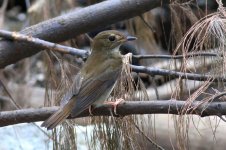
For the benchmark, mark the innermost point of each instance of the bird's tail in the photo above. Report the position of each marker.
(58, 117)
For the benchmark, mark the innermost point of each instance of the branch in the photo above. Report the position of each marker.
(175, 74)
(209, 54)
(76, 22)
(43, 44)
(83, 53)
(143, 69)
(123, 109)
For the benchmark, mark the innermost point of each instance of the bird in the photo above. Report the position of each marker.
(95, 80)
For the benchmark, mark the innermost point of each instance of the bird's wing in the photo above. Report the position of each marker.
(67, 105)
(73, 90)
(92, 89)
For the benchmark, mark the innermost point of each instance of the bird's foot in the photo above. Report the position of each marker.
(90, 110)
(114, 104)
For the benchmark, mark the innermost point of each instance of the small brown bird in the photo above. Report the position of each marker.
(95, 81)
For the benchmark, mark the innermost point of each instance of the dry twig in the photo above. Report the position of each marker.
(173, 74)
(43, 44)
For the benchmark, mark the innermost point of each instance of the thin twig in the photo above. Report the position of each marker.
(17, 106)
(219, 96)
(148, 138)
(175, 74)
(148, 25)
(209, 54)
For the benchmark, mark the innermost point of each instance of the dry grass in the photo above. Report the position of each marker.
(189, 33)
(206, 33)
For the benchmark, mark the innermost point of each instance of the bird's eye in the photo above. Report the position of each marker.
(111, 38)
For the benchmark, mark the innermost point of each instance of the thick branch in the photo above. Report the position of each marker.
(123, 109)
(74, 23)
(163, 72)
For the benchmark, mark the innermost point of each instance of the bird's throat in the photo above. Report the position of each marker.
(99, 62)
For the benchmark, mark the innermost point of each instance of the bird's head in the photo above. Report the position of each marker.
(110, 40)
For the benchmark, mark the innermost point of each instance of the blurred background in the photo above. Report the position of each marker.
(37, 81)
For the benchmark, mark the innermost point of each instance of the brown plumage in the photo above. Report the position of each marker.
(95, 81)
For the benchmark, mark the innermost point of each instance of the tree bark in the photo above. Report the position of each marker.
(123, 109)
(72, 24)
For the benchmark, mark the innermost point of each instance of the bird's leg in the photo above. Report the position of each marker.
(90, 110)
(114, 104)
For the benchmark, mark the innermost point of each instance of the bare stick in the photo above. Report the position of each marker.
(209, 54)
(175, 74)
(123, 109)
(43, 44)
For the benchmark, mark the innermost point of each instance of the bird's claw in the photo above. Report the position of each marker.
(90, 110)
(114, 104)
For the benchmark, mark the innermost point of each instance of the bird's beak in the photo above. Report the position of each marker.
(131, 38)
